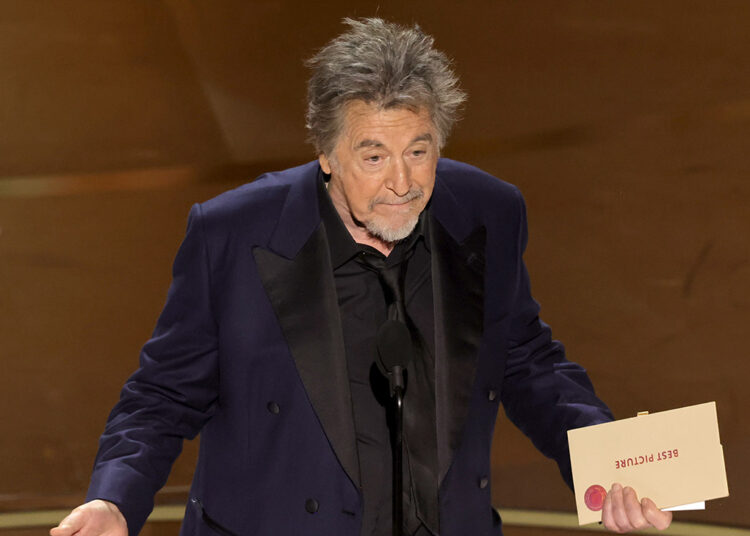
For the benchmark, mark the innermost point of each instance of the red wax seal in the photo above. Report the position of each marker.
(594, 497)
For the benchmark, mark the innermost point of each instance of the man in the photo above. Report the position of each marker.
(267, 344)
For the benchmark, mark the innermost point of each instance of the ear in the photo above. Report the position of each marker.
(325, 164)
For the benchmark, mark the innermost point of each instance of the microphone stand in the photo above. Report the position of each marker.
(397, 394)
(395, 352)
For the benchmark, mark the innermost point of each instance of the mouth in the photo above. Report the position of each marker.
(401, 202)
(398, 207)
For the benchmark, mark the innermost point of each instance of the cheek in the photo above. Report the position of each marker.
(360, 199)
(425, 178)
(364, 191)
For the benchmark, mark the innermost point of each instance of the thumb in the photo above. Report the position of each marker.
(657, 518)
(69, 525)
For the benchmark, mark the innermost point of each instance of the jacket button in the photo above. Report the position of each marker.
(483, 482)
(273, 407)
(311, 505)
(491, 395)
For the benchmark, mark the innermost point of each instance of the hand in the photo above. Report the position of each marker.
(622, 512)
(95, 518)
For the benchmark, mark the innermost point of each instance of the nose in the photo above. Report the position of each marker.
(399, 180)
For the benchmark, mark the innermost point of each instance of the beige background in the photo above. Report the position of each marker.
(625, 123)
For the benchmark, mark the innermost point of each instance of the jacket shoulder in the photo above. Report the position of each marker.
(479, 193)
(253, 209)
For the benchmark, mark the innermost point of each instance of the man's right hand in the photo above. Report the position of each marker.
(95, 518)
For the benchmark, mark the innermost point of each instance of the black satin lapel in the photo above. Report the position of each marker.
(458, 291)
(303, 295)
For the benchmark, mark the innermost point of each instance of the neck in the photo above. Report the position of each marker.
(381, 245)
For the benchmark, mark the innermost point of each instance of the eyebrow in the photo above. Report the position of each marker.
(375, 143)
(424, 137)
(367, 143)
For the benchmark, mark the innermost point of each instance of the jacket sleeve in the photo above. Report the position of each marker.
(543, 393)
(172, 394)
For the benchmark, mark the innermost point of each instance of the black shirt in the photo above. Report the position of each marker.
(363, 309)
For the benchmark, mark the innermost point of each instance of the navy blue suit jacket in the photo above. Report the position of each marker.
(248, 351)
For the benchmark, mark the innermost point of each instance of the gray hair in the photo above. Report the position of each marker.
(384, 64)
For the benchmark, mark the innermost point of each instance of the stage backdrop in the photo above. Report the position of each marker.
(625, 124)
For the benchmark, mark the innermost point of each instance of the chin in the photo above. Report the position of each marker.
(389, 233)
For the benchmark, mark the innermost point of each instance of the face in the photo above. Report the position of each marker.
(382, 170)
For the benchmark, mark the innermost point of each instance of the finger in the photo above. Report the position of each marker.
(633, 509)
(618, 519)
(69, 525)
(607, 518)
(657, 518)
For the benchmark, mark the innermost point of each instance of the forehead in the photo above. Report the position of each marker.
(368, 124)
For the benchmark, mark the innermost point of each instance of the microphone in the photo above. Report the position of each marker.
(394, 352)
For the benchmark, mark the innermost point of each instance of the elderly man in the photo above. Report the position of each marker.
(267, 342)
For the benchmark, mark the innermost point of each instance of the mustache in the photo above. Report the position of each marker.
(412, 194)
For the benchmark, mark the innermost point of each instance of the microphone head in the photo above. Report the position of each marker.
(394, 346)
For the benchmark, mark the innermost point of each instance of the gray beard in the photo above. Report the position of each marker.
(391, 235)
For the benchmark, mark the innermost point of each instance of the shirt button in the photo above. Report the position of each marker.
(491, 395)
(273, 407)
(483, 482)
(311, 505)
